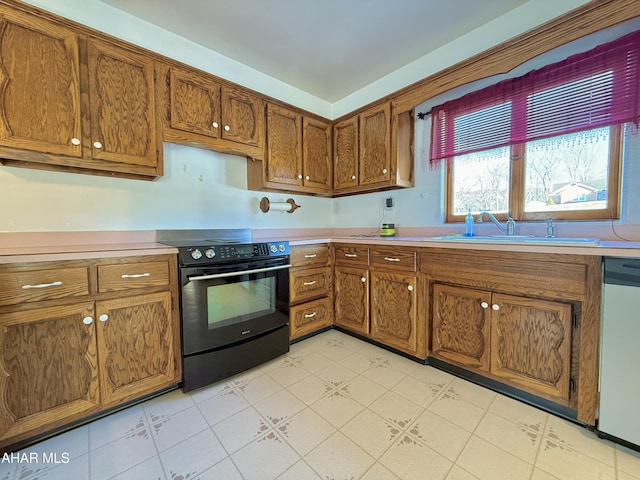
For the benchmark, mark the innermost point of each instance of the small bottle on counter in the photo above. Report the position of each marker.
(468, 225)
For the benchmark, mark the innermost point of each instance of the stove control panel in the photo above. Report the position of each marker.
(210, 254)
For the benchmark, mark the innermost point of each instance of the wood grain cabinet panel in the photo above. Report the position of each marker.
(531, 344)
(243, 118)
(310, 283)
(36, 283)
(316, 155)
(284, 146)
(125, 276)
(461, 326)
(136, 345)
(311, 316)
(39, 84)
(352, 298)
(394, 310)
(345, 153)
(375, 145)
(48, 368)
(194, 103)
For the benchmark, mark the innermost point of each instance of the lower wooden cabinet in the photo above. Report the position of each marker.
(352, 298)
(310, 290)
(68, 353)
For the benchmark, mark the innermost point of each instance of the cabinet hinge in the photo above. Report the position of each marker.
(169, 113)
(168, 79)
(572, 385)
(575, 319)
(157, 155)
(155, 76)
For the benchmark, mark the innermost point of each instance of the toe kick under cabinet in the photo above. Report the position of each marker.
(78, 337)
(527, 320)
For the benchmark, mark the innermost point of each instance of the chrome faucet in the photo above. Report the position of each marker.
(511, 223)
(549, 221)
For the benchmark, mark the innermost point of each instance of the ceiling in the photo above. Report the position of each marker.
(327, 48)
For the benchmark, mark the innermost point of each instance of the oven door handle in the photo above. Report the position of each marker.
(236, 274)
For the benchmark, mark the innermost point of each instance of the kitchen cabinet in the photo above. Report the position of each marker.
(522, 319)
(373, 150)
(49, 71)
(298, 154)
(78, 337)
(198, 109)
(376, 296)
(310, 290)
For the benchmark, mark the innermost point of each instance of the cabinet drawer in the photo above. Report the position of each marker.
(17, 286)
(310, 317)
(308, 284)
(123, 276)
(404, 260)
(308, 255)
(351, 255)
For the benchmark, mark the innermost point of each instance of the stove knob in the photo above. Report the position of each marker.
(196, 254)
(273, 249)
(209, 253)
(281, 247)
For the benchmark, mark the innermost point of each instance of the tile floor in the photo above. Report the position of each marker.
(333, 408)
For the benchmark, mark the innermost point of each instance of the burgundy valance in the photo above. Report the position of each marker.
(597, 88)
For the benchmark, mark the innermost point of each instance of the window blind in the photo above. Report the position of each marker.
(593, 89)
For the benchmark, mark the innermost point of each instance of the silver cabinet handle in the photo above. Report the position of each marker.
(309, 315)
(135, 275)
(391, 259)
(484, 304)
(42, 285)
(311, 255)
(87, 320)
(312, 282)
(495, 306)
(351, 255)
(104, 317)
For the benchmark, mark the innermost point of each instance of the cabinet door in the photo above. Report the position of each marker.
(48, 368)
(284, 146)
(242, 117)
(309, 317)
(352, 299)
(461, 326)
(40, 84)
(316, 141)
(393, 311)
(375, 145)
(136, 345)
(531, 344)
(123, 118)
(345, 154)
(194, 104)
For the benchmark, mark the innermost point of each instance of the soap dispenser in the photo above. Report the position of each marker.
(468, 225)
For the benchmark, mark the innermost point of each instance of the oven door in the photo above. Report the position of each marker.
(230, 304)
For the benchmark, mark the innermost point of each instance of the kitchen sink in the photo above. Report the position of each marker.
(517, 239)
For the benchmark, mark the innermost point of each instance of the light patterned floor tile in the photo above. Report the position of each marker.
(561, 461)
(458, 411)
(577, 438)
(458, 473)
(314, 361)
(224, 470)
(118, 456)
(470, 392)
(518, 412)
(628, 461)
(77, 467)
(300, 471)
(384, 374)
(167, 404)
(168, 430)
(310, 389)
(8, 470)
(441, 435)
(379, 472)
(488, 462)
(225, 403)
(418, 391)
(412, 460)
(193, 456)
(357, 362)
(305, 431)
(514, 437)
(240, 429)
(396, 409)
(116, 426)
(336, 374)
(338, 457)
(431, 375)
(371, 432)
(267, 457)
(337, 407)
(149, 470)
(279, 407)
(542, 475)
(363, 390)
(256, 388)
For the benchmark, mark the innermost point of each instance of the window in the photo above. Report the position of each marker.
(546, 143)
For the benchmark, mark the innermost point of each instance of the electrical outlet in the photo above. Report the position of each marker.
(389, 203)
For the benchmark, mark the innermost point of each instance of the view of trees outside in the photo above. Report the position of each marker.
(563, 173)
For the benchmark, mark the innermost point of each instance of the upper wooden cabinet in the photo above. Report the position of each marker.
(373, 151)
(298, 154)
(198, 110)
(47, 72)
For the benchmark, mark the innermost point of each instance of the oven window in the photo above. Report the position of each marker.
(239, 301)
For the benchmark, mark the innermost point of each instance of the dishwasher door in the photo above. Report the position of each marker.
(619, 413)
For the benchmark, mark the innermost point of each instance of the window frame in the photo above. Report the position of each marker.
(517, 188)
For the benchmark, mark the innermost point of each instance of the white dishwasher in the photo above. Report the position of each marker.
(619, 412)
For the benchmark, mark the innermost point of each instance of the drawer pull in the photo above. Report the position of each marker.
(42, 285)
(312, 282)
(309, 315)
(311, 255)
(391, 259)
(351, 255)
(135, 275)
